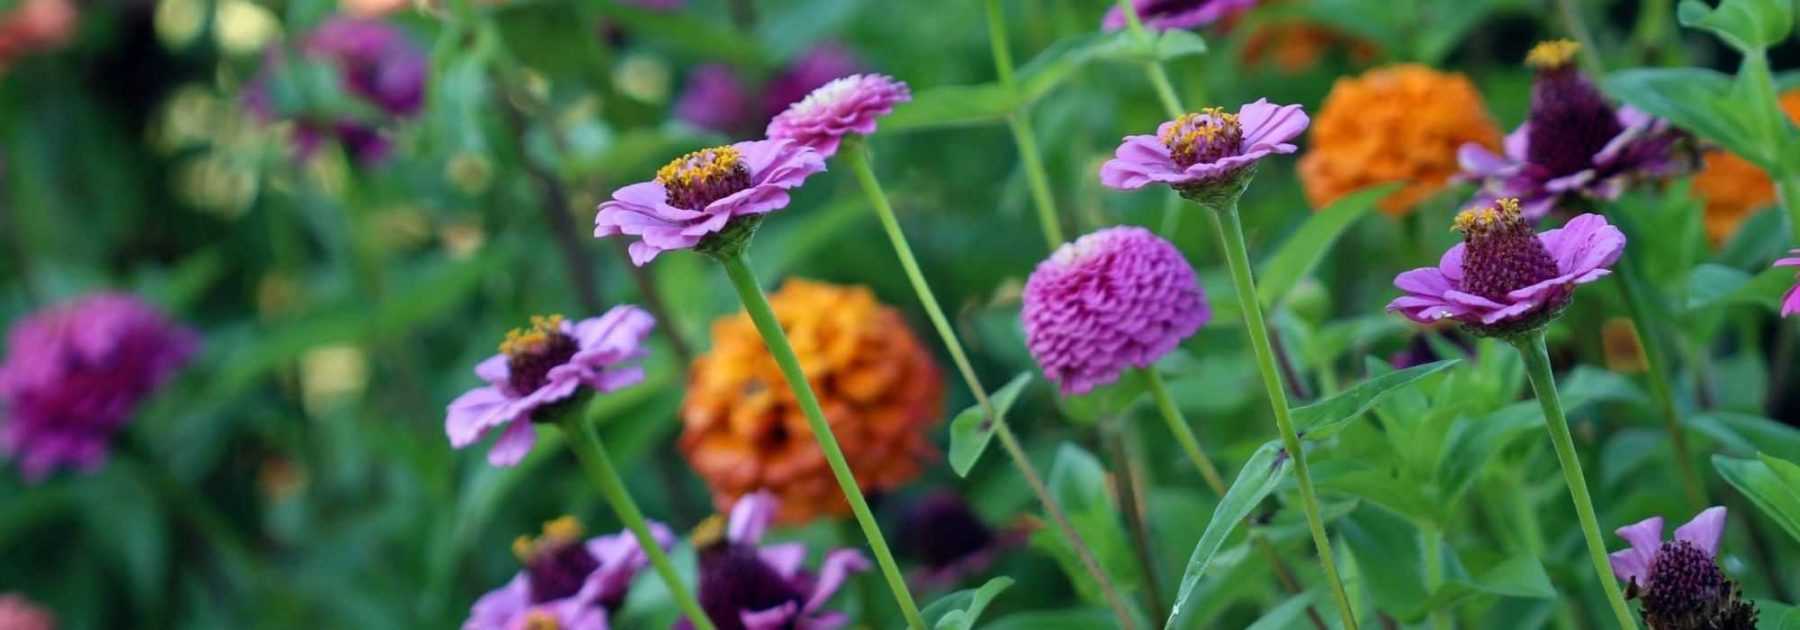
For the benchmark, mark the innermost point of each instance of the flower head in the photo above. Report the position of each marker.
(706, 199)
(1732, 187)
(1118, 298)
(1395, 124)
(746, 587)
(75, 373)
(1504, 279)
(18, 613)
(743, 431)
(1164, 15)
(379, 66)
(950, 541)
(813, 69)
(842, 107)
(1679, 580)
(567, 583)
(714, 98)
(1574, 143)
(33, 26)
(1205, 152)
(1790, 303)
(541, 366)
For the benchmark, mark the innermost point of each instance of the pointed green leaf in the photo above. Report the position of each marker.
(1325, 418)
(970, 432)
(952, 106)
(960, 610)
(1747, 25)
(1768, 489)
(1258, 478)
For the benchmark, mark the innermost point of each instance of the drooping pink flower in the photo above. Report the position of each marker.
(1165, 15)
(1679, 581)
(746, 587)
(813, 69)
(541, 366)
(1503, 278)
(1118, 298)
(567, 583)
(696, 197)
(74, 373)
(1199, 152)
(714, 98)
(1790, 304)
(842, 107)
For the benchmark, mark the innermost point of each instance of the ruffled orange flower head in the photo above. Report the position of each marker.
(1732, 187)
(742, 430)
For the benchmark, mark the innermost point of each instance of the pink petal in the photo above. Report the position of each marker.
(777, 618)
(513, 445)
(1644, 536)
(1268, 124)
(836, 569)
(786, 559)
(1630, 565)
(751, 517)
(472, 414)
(1704, 530)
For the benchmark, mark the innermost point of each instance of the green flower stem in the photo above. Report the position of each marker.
(586, 443)
(1632, 286)
(1171, 103)
(1183, 433)
(1231, 235)
(855, 153)
(1788, 187)
(1431, 538)
(737, 267)
(1128, 486)
(1543, 382)
(1020, 123)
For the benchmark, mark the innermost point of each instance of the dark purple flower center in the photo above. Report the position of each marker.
(943, 530)
(1687, 591)
(532, 352)
(557, 564)
(1208, 136)
(1570, 120)
(697, 179)
(1501, 253)
(734, 580)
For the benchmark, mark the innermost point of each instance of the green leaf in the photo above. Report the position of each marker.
(1177, 43)
(952, 106)
(1309, 244)
(1697, 100)
(959, 610)
(1773, 615)
(1287, 614)
(690, 31)
(970, 433)
(1325, 418)
(1079, 483)
(1076, 619)
(1106, 400)
(1776, 493)
(1747, 434)
(1711, 284)
(1258, 478)
(1747, 25)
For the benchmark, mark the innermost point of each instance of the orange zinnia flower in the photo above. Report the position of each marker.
(743, 431)
(1399, 123)
(1295, 47)
(1732, 187)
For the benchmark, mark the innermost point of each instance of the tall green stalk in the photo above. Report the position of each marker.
(1184, 434)
(1656, 363)
(1788, 187)
(1171, 103)
(737, 267)
(1543, 383)
(1019, 121)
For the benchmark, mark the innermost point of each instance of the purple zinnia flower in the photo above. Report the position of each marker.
(1574, 142)
(695, 198)
(542, 366)
(951, 541)
(1164, 15)
(1118, 298)
(1503, 278)
(842, 107)
(714, 98)
(75, 372)
(1790, 304)
(816, 67)
(379, 65)
(567, 583)
(743, 587)
(1197, 152)
(1679, 580)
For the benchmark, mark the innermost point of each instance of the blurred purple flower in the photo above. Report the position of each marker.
(844, 106)
(1163, 15)
(816, 67)
(951, 541)
(1198, 152)
(18, 613)
(1118, 298)
(743, 587)
(379, 65)
(74, 374)
(1790, 304)
(542, 366)
(1679, 580)
(714, 98)
(567, 583)
(698, 196)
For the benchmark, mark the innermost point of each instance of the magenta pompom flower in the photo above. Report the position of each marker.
(567, 583)
(1207, 152)
(695, 199)
(74, 373)
(1504, 279)
(1118, 298)
(541, 366)
(714, 98)
(743, 587)
(1790, 304)
(1164, 15)
(1679, 581)
(842, 107)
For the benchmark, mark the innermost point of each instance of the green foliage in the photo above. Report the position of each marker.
(970, 431)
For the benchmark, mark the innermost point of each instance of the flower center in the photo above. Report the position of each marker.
(541, 620)
(697, 179)
(1570, 120)
(1501, 254)
(556, 562)
(734, 579)
(532, 352)
(1204, 137)
(1685, 584)
(943, 530)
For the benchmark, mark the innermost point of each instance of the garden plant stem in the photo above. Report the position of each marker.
(586, 443)
(1788, 187)
(1183, 433)
(737, 267)
(1128, 486)
(1020, 123)
(1537, 365)
(1632, 286)
(1231, 235)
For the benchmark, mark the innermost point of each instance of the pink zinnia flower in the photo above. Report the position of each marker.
(1164, 15)
(1679, 581)
(543, 365)
(1503, 278)
(567, 583)
(1197, 153)
(74, 374)
(714, 98)
(1790, 304)
(695, 198)
(18, 613)
(842, 107)
(1118, 298)
(743, 587)
(379, 65)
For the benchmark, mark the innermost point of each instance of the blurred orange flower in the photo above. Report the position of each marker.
(1732, 187)
(1295, 47)
(743, 431)
(1398, 123)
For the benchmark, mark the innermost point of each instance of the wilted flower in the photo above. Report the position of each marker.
(1790, 303)
(1732, 187)
(814, 68)
(743, 431)
(743, 587)
(543, 366)
(567, 583)
(1503, 279)
(1162, 15)
(35, 26)
(1115, 299)
(950, 541)
(1574, 143)
(708, 198)
(714, 98)
(1208, 153)
(378, 64)
(842, 107)
(1395, 124)
(1679, 580)
(74, 373)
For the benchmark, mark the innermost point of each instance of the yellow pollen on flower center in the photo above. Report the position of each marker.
(558, 532)
(541, 620)
(522, 341)
(705, 165)
(1486, 219)
(1192, 130)
(1552, 54)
